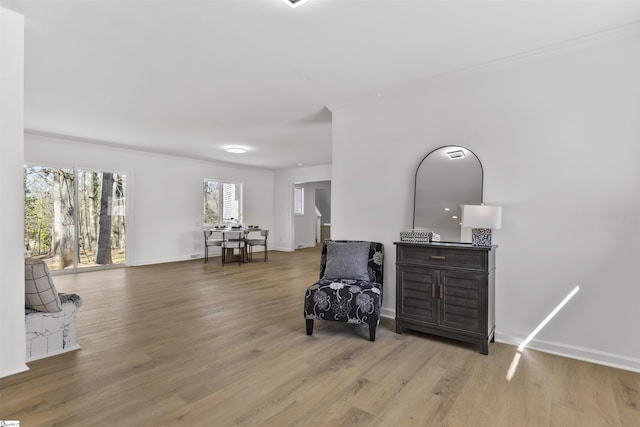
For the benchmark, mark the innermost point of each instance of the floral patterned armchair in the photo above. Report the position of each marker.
(350, 285)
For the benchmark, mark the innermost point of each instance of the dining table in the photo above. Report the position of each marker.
(230, 255)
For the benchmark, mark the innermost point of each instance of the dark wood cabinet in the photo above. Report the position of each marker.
(446, 289)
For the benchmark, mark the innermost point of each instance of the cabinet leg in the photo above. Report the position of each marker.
(399, 329)
(484, 347)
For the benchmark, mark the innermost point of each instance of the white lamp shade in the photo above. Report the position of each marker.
(481, 216)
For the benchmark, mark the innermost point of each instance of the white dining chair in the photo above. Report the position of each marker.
(211, 240)
(233, 240)
(264, 233)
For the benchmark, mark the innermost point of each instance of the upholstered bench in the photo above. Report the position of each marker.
(50, 318)
(49, 334)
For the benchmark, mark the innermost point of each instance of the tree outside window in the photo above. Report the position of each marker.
(222, 202)
(74, 218)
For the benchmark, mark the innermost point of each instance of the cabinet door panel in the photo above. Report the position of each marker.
(415, 297)
(461, 305)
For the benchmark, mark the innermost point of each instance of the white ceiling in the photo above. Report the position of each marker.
(189, 77)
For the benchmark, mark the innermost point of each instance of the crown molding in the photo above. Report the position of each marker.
(157, 152)
(533, 55)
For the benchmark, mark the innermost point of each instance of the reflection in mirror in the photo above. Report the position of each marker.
(446, 179)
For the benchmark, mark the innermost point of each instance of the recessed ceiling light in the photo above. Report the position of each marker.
(457, 154)
(236, 150)
(294, 3)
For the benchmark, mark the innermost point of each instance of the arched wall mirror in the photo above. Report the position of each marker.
(447, 178)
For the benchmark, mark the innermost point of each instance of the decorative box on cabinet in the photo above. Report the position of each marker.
(446, 289)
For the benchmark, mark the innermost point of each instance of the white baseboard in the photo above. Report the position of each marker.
(4, 374)
(305, 245)
(281, 249)
(387, 312)
(161, 260)
(212, 254)
(574, 352)
(55, 353)
(559, 349)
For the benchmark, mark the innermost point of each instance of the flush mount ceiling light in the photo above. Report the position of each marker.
(294, 3)
(457, 154)
(236, 150)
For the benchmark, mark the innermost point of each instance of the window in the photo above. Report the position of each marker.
(298, 201)
(222, 202)
(74, 218)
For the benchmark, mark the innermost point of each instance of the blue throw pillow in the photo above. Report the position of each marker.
(347, 260)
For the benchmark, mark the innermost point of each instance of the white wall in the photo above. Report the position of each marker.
(12, 338)
(164, 194)
(323, 202)
(558, 134)
(284, 181)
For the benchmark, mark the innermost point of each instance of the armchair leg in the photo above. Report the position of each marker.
(309, 326)
(372, 332)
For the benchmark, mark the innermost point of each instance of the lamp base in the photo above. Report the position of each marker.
(481, 236)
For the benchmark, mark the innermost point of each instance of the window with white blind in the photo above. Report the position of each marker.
(222, 202)
(298, 201)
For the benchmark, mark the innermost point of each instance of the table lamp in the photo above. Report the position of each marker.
(482, 220)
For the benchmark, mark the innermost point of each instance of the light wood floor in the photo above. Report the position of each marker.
(189, 344)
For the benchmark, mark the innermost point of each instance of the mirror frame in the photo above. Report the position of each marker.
(415, 179)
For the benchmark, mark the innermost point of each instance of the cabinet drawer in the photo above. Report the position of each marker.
(442, 257)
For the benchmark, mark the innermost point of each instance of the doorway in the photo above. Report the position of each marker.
(312, 218)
